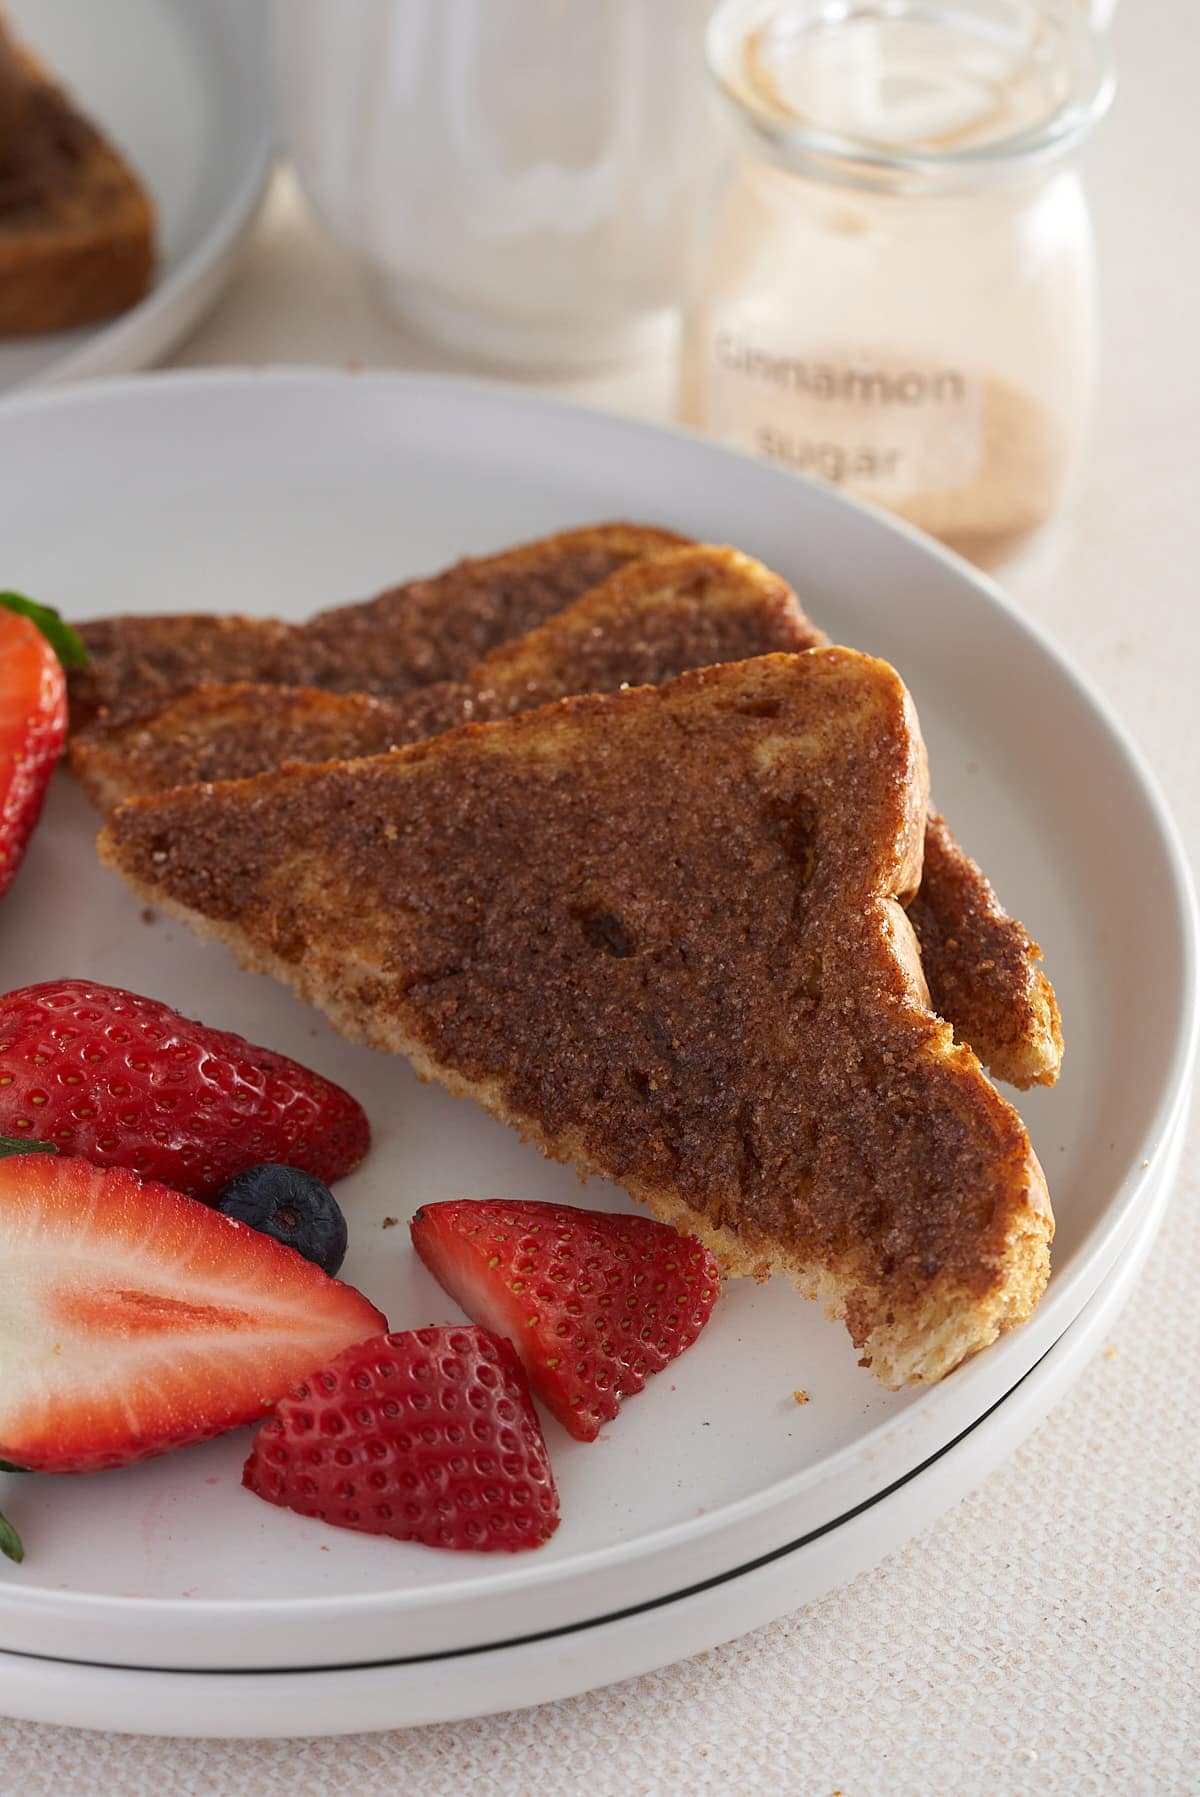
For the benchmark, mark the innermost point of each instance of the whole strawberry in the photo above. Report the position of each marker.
(593, 1301)
(124, 1081)
(34, 642)
(427, 1435)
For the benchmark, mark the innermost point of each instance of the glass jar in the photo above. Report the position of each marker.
(898, 290)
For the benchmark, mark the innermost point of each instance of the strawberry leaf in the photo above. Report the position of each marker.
(10, 1145)
(57, 632)
(10, 1541)
(6, 1466)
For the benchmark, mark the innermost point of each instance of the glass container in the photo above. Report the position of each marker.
(519, 177)
(897, 292)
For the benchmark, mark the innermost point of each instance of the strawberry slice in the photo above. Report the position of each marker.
(125, 1081)
(33, 721)
(134, 1320)
(428, 1435)
(594, 1303)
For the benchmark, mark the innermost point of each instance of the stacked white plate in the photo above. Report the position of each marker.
(164, 1598)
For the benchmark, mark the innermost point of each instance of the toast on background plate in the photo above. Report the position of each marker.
(661, 934)
(76, 224)
(652, 620)
(409, 636)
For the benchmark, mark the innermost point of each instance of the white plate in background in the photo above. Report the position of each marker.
(183, 88)
(282, 492)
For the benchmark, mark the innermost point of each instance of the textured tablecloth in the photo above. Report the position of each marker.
(1042, 1637)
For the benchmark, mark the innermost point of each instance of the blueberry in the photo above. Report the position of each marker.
(298, 1209)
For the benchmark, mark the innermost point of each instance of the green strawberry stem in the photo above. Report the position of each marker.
(10, 1541)
(57, 632)
(10, 1145)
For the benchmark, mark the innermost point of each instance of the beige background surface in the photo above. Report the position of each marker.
(1044, 1636)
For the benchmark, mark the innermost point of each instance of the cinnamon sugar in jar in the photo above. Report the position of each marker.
(897, 293)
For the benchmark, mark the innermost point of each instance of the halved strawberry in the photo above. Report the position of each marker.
(594, 1303)
(428, 1435)
(134, 1320)
(33, 722)
(125, 1081)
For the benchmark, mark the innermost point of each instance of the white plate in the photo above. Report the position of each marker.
(406, 1692)
(182, 86)
(285, 491)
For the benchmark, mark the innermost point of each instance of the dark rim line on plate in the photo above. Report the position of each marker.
(566, 1628)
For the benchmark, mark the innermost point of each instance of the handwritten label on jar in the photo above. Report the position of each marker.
(887, 426)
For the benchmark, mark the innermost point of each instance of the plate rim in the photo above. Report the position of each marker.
(1061, 1364)
(1171, 1099)
(579, 1627)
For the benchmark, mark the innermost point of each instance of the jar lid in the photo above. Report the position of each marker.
(911, 94)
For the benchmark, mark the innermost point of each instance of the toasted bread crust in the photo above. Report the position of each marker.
(412, 635)
(76, 225)
(658, 933)
(983, 967)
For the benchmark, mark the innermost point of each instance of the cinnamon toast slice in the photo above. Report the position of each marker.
(76, 224)
(661, 934)
(682, 609)
(233, 732)
(653, 619)
(409, 636)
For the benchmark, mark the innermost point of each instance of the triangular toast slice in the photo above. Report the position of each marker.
(661, 934)
(682, 609)
(409, 636)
